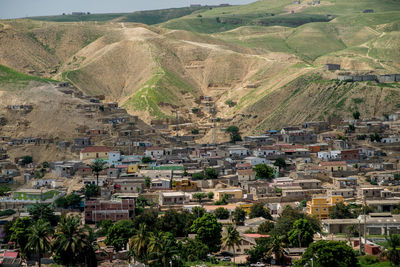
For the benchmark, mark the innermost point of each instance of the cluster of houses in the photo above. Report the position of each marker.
(313, 166)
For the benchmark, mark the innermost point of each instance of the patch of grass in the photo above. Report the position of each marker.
(11, 79)
(33, 36)
(358, 100)
(164, 87)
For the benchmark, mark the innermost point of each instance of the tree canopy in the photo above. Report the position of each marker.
(264, 172)
(329, 254)
(208, 231)
(302, 233)
(258, 210)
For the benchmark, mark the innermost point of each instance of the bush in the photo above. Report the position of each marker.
(7, 212)
(369, 260)
(27, 160)
(195, 131)
(230, 103)
(195, 110)
(198, 176)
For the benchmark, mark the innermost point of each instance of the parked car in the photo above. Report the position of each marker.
(258, 264)
(226, 259)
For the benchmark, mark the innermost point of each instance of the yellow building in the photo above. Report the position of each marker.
(232, 193)
(245, 206)
(320, 206)
(184, 185)
(132, 168)
(94, 152)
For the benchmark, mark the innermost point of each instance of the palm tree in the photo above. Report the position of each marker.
(38, 238)
(162, 246)
(69, 244)
(139, 242)
(393, 252)
(231, 238)
(277, 247)
(89, 246)
(97, 166)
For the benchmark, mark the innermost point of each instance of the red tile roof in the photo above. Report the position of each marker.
(95, 149)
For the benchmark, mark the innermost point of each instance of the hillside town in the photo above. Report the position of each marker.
(340, 174)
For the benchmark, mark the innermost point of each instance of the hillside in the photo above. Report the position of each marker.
(261, 65)
(149, 17)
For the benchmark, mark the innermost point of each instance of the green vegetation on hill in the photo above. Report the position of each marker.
(11, 79)
(149, 17)
(207, 24)
(164, 88)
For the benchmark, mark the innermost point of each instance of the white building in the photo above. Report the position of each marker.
(256, 160)
(238, 151)
(156, 152)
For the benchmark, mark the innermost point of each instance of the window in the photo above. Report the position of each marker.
(324, 209)
(316, 209)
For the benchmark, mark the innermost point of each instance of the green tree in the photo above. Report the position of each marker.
(326, 253)
(147, 182)
(192, 250)
(198, 176)
(4, 190)
(302, 233)
(375, 137)
(340, 211)
(211, 173)
(265, 228)
(139, 242)
(356, 115)
(147, 160)
(239, 216)
(393, 249)
(258, 210)
(276, 247)
(177, 223)
(19, 231)
(195, 131)
(39, 234)
(119, 234)
(27, 160)
(92, 190)
(210, 195)
(198, 212)
(104, 226)
(231, 238)
(43, 211)
(68, 241)
(208, 231)
(199, 196)
(264, 172)
(70, 200)
(234, 133)
(286, 221)
(280, 162)
(260, 251)
(221, 213)
(162, 248)
(97, 167)
(223, 201)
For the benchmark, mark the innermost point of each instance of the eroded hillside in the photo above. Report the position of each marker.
(260, 65)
